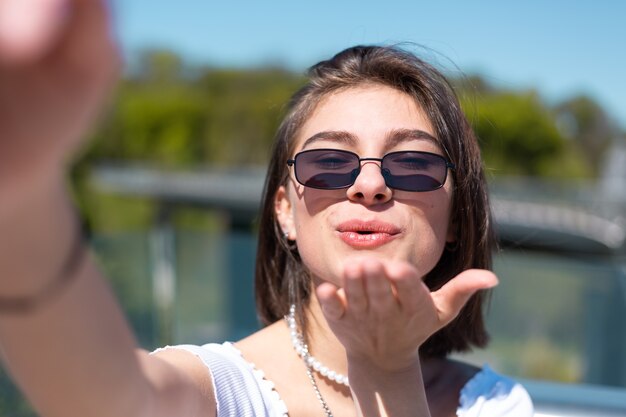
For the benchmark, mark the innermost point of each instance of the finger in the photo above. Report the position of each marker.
(30, 28)
(450, 298)
(331, 301)
(411, 292)
(89, 32)
(378, 288)
(354, 287)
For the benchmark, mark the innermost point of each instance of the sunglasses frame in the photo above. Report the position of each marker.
(448, 165)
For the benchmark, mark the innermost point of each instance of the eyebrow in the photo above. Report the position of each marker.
(392, 139)
(398, 136)
(339, 136)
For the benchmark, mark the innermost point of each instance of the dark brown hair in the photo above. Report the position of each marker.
(281, 277)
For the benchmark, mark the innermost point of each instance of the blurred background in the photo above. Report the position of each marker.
(170, 184)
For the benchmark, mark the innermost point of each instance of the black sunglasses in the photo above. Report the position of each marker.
(330, 169)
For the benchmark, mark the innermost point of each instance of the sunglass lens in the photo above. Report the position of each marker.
(414, 171)
(326, 169)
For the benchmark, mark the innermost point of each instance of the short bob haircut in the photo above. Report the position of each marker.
(281, 277)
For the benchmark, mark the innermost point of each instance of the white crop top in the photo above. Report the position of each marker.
(242, 390)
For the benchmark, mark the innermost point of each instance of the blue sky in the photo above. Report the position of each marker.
(561, 48)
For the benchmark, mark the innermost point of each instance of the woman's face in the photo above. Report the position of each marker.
(368, 218)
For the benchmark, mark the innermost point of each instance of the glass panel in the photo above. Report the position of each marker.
(557, 318)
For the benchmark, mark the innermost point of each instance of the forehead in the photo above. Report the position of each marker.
(369, 114)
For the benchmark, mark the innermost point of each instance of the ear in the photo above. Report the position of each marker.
(284, 213)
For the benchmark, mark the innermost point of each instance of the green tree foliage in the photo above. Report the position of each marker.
(173, 115)
(586, 123)
(168, 115)
(519, 135)
(246, 111)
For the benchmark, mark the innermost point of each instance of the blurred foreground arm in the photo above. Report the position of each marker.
(73, 355)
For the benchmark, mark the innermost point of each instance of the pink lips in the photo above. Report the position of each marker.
(367, 234)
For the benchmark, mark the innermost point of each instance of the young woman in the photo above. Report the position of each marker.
(375, 242)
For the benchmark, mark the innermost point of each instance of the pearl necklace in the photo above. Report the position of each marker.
(310, 362)
(303, 351)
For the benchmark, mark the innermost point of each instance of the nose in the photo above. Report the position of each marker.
(369, 188)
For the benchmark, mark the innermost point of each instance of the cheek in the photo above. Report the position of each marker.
(430, 235)
(315, 249)
(310, 226)
(440, 219)
(311, 208)
(316, 245)
(440, 212)
(307, 223)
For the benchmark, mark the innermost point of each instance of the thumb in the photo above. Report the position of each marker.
(450, 299)
(29, 28)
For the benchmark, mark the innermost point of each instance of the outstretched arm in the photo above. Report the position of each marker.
(71, 353)
(382, 315)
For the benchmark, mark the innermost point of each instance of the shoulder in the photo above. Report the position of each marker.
(183, 360)
(214, 356)
(488, 393)
(239, 388)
